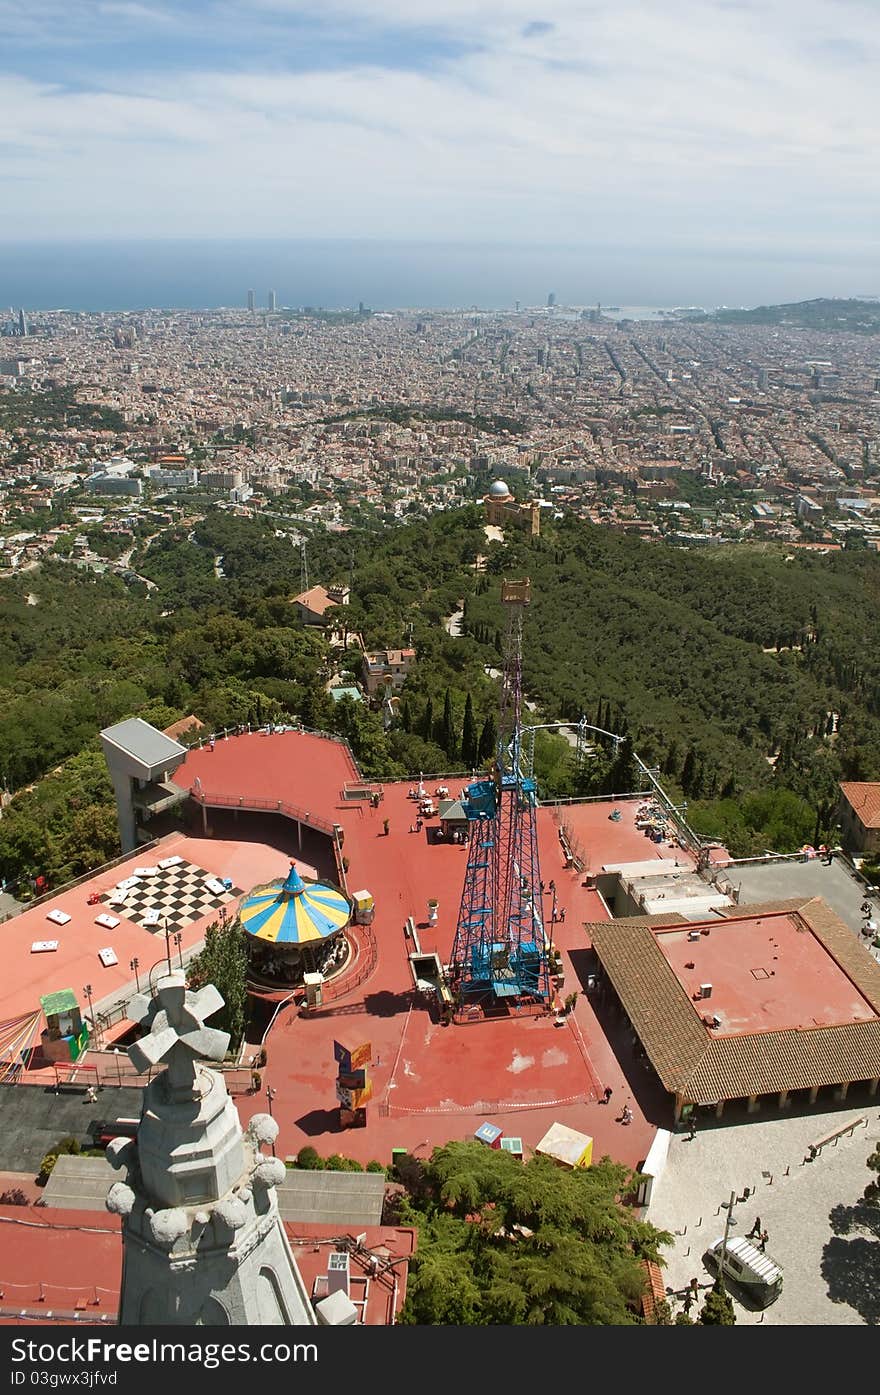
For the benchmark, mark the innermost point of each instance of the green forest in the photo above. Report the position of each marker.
(746, 675)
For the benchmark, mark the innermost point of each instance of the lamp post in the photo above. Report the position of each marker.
(134, 965)
(727, 1224)
(270, 1095)
(167, 942)
(88, 992)
(178, 937)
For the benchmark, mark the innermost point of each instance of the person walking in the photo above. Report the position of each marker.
(755, 1230)
(762, 1241)
(627, 1115)
(607, 1093)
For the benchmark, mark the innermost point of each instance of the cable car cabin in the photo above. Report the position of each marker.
(753, 1271)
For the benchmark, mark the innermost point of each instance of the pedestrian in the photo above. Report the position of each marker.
(542, 888)
(91, 1094)
(762, 1240)
(755, 1230)
(627, 1115)
(692, 1124)
(419, 823)
(608, 1092)
(386, 824)
(552, 886)
(562, 914)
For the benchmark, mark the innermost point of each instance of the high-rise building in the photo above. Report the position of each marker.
(551, 300)
(251, 300)
(271, 300)
(23, 329)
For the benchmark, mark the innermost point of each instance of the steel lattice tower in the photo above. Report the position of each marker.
(500, 950)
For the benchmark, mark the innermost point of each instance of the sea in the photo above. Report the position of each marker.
(337, 274)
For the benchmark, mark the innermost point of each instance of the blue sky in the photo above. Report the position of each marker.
(717, 124)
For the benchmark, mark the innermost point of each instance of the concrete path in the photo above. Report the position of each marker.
(820, 1232)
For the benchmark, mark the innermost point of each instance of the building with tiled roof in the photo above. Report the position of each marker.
(313, 605)
(859, 815)
(762, 1001)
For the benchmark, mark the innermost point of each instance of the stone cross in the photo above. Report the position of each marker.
(177, 1034)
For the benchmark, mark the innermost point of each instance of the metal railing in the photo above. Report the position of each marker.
(252, 804)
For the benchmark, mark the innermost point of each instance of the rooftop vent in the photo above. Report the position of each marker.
(705, 990)
(693, 934)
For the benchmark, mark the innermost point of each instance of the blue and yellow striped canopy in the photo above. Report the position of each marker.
(294, 912)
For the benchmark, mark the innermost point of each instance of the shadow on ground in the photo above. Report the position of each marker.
(319, 1121)
(851, 1260)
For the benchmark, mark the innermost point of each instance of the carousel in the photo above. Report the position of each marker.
(295, 927)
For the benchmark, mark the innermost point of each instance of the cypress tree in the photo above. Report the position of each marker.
(688, 770)
(428, 721)
(469, 741)
(488, 739)
(447, 732)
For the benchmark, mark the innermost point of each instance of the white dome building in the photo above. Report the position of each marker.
(498, 491)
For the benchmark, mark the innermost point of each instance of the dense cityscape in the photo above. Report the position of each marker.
(698, 433)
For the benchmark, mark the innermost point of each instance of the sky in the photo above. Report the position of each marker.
(725, 127)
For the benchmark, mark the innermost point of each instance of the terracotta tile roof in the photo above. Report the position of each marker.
(316, 600)
(655, 1290)
(863, 796)
(705, 1067)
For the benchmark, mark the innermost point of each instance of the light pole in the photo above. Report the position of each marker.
(270, 1095)
(727, 1224)
(167, 942)
(88, 992)
(134, 965)
(178, 937)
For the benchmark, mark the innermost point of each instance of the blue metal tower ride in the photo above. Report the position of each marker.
(500, 948)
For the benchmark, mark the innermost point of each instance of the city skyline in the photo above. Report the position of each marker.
(739, 130)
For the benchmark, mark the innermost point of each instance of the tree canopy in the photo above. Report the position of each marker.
(506, 1242)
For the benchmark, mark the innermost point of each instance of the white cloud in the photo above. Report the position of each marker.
(622, 121)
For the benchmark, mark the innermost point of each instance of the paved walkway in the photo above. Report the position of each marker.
(821, 1234)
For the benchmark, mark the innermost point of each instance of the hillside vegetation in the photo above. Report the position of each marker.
(747, 675)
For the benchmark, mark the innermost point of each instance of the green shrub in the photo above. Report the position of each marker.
(46, 1167)
(375, 1166)
(338, 1163)
(309, 1159)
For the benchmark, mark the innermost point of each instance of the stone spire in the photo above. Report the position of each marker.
(203, 1240)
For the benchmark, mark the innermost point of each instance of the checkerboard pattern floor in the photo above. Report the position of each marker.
(178, 893)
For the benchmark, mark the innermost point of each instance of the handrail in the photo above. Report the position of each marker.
(255, 805)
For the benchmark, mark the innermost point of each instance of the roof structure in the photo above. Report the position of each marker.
(864, 798)
(808, 1017)
(143, 744)
(315, 599)
(294, 912)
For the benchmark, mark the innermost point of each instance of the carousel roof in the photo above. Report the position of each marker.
(294, 912)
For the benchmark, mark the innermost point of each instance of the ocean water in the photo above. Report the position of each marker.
(196, 274)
